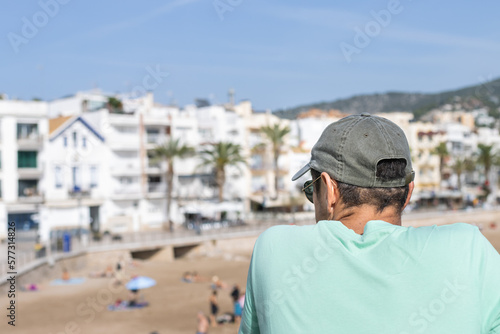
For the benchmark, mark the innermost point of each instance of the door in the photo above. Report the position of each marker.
(94, 219)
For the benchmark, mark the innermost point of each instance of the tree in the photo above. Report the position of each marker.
(115, 105)
(460, 166)
(485, 158)
(219, 156)
(168, 152)
(442, 152)
(276, 135)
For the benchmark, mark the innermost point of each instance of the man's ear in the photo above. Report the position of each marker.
(411, 187)
(331, 189)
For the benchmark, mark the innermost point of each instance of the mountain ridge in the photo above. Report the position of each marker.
(486, 95)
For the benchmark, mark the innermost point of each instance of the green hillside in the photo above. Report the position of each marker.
(482, 95)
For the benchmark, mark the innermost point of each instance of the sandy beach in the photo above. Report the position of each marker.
(173, 303)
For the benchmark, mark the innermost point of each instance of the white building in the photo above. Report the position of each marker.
(23, 133)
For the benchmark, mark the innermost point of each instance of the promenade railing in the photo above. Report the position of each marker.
(27, 255)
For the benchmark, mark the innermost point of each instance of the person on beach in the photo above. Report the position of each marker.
(133, 298)
(217, 283)
(214, 308)
(187, 277)
(235, 293)
(203, 324)
(237, 311)
(65, 275)
(357, 270)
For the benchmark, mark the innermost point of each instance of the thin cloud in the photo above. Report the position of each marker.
(346, 21)
(138, 20)
(325, 17)
(437, 38)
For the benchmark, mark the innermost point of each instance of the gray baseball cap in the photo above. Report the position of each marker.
(350, 149)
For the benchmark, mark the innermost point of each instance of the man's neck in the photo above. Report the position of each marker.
(357, 217)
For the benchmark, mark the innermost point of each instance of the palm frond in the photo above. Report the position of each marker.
(172, 149)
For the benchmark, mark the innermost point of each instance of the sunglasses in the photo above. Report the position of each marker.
(308, 188)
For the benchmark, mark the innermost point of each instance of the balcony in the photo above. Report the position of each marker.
(153, 138)
(129, 191)
(29, 173)
(29, 195)
(134, 189)
(126, 168)
(124, 142)
(157, 187)
(154, 167)
(77, 192)
(29, 141)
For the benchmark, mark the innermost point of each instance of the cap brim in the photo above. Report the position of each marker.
(302, 171)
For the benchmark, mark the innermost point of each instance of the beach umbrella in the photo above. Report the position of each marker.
(140, 282)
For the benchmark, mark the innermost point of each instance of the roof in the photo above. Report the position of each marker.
(55, 123)
(57, 126)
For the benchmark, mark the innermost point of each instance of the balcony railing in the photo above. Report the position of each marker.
(153, 138)
(157, 187)
(125, 168)
(153, 164)
(32, 139)
(127, 190)
(77, 192)
(30, 195)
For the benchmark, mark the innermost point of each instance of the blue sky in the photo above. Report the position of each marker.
(276, 53)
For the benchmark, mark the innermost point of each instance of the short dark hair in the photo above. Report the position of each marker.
(381, 198)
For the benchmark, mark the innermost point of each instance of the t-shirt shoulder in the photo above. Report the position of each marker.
(281, 234)
(280, 230)
(450, 232)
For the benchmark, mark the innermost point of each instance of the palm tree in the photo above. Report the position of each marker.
(276, 135)
(219, 156)
(460, 166)
(442, 152)
(486, 158)
(168, 152)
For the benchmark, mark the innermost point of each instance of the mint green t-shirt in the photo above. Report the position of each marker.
(392, 279)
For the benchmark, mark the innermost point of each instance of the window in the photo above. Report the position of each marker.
(153, 135)
(281, 183)
(58, 177)
(76, 179)
(24, 221)
(126, 180)
(27, 188)
(126, 129)
(65, 140)
(84, 142)
(93, 177)
(154, 179)
(27, 131)
(95, 105)
(256, 162)
(26, 159)
(126, 154)
(258, 183)
(75, 139)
